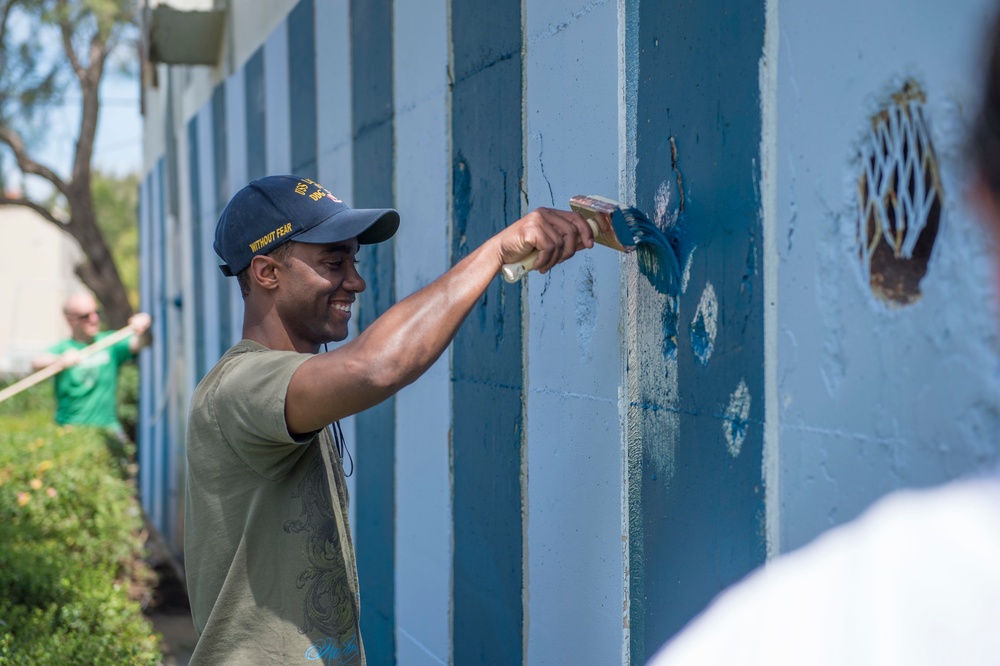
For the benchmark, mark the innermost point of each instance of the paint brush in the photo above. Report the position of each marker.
(657, 257)
(623, 228)
(598, 212)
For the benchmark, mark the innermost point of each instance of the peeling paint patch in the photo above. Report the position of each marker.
(900, 198)
(737, 419)
(586, 304)
(661, 213)
(686, 271)
(704, 325)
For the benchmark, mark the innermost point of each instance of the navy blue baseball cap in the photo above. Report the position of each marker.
(276, 209)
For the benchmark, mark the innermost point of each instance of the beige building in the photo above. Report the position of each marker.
(39, 260)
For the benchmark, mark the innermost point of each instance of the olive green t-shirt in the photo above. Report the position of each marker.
(87, 393)
(268, 556)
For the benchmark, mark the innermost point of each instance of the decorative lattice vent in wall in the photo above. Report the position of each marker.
(899, 198)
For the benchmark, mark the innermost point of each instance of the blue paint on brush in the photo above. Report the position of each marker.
(657, 257)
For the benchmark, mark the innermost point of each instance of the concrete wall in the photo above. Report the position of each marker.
(573, 340)
(40, 259)
(423, 412)
(874, 395)
(593, 460)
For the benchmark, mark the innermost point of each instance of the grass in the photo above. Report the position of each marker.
(72, 573)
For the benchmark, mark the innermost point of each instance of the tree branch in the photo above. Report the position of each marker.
(90, 84)
(28, 165)
(66, 28)
(33, 205)
(7, 8)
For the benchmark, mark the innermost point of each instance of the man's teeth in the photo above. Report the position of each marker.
(341, 306)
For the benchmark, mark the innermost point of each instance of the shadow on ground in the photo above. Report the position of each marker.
(170, 614)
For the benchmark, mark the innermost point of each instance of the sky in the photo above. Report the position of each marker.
(118, 146)
(119, 133)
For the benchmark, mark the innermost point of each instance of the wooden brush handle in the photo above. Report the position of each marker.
(513, 272)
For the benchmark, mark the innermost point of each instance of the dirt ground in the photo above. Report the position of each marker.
(179, 636)
(171, 617)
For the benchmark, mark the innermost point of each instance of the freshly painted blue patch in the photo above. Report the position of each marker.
(487, 145)
(695, 528)
(375, 489)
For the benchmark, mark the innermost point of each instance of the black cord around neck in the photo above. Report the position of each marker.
(338, 438)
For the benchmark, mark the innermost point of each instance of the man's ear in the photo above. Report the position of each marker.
(264, 272)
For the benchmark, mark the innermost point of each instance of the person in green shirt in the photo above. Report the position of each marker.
(87, 387)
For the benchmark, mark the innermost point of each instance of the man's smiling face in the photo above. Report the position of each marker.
(320, 284)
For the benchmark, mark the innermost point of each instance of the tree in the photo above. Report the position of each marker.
(49, 48)
(116, 202)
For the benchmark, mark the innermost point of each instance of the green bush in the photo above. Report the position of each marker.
(128, 398)
(71, 551)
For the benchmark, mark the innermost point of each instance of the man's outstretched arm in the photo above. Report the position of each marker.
(405, 341)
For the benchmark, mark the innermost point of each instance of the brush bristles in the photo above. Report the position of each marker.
(656, 256)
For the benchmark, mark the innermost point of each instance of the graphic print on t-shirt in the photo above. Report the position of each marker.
(328, 609)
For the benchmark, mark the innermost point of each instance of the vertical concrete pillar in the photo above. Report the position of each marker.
(423, 410)
(237, 145)
(575, 569)
(302, 88)
(255, 123)
(487, 377)
(372, 129)
(695, 377)
(278, 135)
(221, 131)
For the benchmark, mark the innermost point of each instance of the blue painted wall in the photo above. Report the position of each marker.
(487, 382)
(197, 247)
(374, 526)
(256, 122)
(221, 192)
(302, 88)
(603, 466)
(697, 150)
